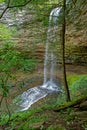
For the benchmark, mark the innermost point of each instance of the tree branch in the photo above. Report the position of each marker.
(14, 6)
(3, 12)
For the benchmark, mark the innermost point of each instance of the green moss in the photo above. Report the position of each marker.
(77, 85)
(73, 78)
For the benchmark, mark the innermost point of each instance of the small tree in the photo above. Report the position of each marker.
(63, 50)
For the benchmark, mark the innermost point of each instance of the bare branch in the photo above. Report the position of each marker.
(14, 6)
(3, 12)
(5, 9)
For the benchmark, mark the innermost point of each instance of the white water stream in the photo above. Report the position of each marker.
(50, 58)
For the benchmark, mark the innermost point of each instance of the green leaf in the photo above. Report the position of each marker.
(1, 0)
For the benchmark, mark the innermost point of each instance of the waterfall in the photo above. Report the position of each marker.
(29, 97)
(50, 58)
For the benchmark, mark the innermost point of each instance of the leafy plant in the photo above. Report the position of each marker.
(51, 127)
(77, 85)
(6, 34)
(28, 65)
(73, 78)
(9, 59)
(78, 82)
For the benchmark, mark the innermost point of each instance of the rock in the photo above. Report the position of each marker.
(37, 126)
(83, 106)
(81, 115)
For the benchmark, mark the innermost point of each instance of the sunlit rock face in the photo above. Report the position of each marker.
(14, 18)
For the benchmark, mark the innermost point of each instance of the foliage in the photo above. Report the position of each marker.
(77, 86)
(6, 34)
(16, 2)
(28, 118)
(28, 65)
(51, 127)
(11, 60)
(77, 81)
(42, 10)
(73, 78)
(8, 57)
(1, 0)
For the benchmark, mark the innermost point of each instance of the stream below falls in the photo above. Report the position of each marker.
(29, 97)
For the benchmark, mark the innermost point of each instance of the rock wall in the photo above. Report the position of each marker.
(73, 53)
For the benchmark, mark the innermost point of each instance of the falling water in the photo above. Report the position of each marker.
(50, 58)
(29, 97)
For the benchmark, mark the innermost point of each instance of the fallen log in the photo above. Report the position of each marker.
(71, 104)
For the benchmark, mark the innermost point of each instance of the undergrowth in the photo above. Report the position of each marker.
(25, 120)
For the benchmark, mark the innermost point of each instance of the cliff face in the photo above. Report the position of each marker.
(31, 36)
(76, 32)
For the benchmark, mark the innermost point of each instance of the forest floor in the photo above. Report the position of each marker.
(42, 115)
(70, 119)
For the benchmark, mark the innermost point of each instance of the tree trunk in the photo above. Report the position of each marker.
(72, 104)
(63, 51)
